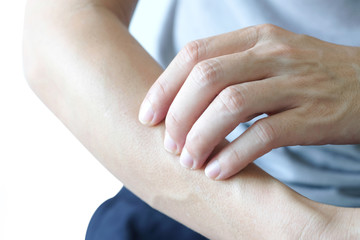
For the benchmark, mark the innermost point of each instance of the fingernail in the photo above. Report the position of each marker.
(169, 144)
(212, 170)
(146, 113)
(186, 160)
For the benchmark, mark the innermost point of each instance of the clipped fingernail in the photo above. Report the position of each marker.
(212, 170)
(170, 144)
(146, 113)
(186, 160)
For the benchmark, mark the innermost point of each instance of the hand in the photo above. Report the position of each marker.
(310, 90)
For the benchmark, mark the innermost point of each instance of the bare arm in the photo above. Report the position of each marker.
(84, 65)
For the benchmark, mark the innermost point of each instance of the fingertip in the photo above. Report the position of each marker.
(170, 145)
(186, 160)
(213, 170)
(146, 113)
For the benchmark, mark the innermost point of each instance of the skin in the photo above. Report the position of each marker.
(310, 90)
(81, 61)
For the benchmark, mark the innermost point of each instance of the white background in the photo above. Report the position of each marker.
(50, 185)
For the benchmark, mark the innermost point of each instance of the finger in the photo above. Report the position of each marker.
(235, 104)
(264, 135)
(161, 94)
(205, 82)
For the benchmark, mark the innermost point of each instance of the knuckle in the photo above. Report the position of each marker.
(232, 99)
(235, 155)
(193, 51)
(252, 35)
(268, 29)
(206, 72)
(161, 87)
(265, 133)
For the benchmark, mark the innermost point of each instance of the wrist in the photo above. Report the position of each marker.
(330, 222)
(306, 219)
(345, 224)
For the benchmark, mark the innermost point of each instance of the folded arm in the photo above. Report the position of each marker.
(84, 65)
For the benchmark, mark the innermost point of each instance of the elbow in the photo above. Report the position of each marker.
(31, 67)
(34, 35)
(34, 68)
(30, 52)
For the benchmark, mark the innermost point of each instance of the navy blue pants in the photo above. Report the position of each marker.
(126, 217)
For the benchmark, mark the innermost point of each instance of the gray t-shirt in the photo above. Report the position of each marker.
(328, 174)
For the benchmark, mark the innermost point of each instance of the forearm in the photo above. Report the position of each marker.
(93, 75)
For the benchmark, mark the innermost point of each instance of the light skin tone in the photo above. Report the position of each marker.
(310, 90)
(81, 61)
